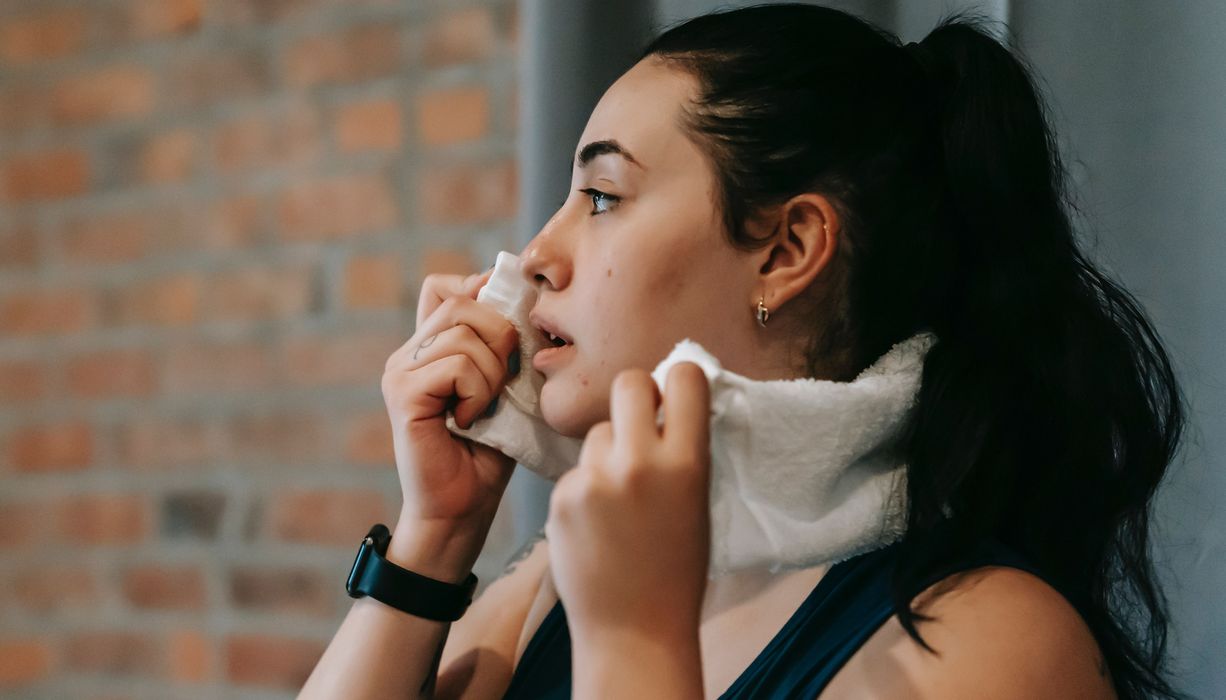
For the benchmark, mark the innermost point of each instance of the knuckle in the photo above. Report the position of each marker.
(509, 337)
(687, 371)
(631, 378)
(448, 306)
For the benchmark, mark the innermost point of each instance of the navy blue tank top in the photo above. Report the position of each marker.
(848, 604)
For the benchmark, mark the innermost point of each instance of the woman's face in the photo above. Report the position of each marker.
(626, 274)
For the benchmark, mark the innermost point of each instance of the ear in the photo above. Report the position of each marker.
(806, 238)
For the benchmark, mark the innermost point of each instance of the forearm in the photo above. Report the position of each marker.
(637, 664)
(381, 652)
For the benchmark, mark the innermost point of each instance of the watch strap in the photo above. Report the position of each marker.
(374, 576)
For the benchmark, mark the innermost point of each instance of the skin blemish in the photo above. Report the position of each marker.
(608, 272)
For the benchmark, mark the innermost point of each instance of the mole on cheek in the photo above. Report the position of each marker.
(608, 272)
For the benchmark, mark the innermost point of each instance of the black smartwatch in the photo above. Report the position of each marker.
(373, 575)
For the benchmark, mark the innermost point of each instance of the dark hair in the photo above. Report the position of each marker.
(1049, 410)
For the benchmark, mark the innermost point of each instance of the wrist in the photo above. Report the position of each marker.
(443, 551)
(634, 662)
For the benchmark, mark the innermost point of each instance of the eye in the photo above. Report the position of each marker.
(594, 193)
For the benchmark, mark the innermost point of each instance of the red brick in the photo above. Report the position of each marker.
(52, 447)
(20, 523)
(370, 126)
(295, 437)
(111, 373)
(156, 441)
(172, 300)
(273, 661)
(512, 27)
(156, 18)
(113, 652)
(369, 440)
(107, 237)
(262, 292)
(445, 261)
(19, 247)
(22, 381)
(190, 656)
(268, 140)
(165, 587)
(115, 92)
(282, 590)
(337, 207)
(168, 157)
(234, 222)
(23, 661)
(216, 76)
(46, 175)
(469, 193)
(453, 115)
(325, 517)
(39, 37)
(39, 312)
(24, 104)
(212, 367)
(459, 37)
(353, 55)
(104, 519)
(242, 13)
(373, 281)
(354, 358)
(48, 587)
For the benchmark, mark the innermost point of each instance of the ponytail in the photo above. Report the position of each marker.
(1048, 410)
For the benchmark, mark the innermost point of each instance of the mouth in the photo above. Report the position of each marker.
(550, 332)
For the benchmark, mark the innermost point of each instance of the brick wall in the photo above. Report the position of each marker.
(215, 216)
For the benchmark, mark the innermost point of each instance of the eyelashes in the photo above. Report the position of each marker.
(594, 193)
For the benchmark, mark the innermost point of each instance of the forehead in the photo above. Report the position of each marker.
(640, 111)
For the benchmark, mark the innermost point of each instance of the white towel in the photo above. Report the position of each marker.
(803, 471)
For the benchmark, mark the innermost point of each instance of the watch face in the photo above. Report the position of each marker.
(359, 566)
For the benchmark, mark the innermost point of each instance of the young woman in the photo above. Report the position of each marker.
(794, 160)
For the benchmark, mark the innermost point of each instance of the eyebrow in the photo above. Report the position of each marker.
(600, 148)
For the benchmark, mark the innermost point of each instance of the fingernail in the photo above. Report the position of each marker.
(489, 411)
(513, 363)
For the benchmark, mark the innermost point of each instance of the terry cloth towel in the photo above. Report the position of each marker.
(803, 471)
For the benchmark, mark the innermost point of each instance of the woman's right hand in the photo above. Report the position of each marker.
(457, 359)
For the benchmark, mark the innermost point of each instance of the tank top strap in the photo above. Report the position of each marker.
(848, 604)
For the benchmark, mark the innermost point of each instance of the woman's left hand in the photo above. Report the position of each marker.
(629, 526)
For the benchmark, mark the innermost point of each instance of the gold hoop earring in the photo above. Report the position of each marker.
(763, 313)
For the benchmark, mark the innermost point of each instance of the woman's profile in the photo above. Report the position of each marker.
(797, 191)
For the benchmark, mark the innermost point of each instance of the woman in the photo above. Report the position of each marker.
(794, 190)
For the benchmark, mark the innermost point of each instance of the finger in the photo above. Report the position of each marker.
(438, 382)
(458, 340)
(473, 283)
(434, 289)
(596, 445)
(632, 407)
(493, 329)
(437, 287)
(687, 408)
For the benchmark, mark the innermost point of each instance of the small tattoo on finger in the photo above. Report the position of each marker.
(424, 344)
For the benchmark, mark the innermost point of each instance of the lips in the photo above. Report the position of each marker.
(552, 334)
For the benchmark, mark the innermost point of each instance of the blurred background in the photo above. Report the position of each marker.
(215, 216)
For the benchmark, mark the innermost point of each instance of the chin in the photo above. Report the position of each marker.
(568, 412)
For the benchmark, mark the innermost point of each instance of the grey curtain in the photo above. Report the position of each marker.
(1138, 93)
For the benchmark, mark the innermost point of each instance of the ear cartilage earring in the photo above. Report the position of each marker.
(763, 313)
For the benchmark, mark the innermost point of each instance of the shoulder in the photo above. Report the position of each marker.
(998, 632)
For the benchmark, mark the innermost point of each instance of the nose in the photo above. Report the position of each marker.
(546, 258)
